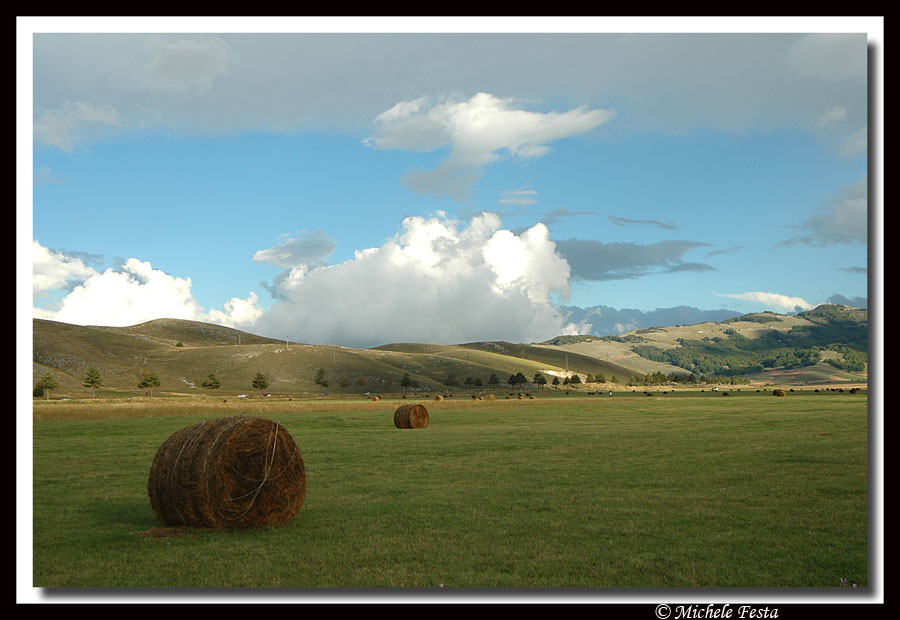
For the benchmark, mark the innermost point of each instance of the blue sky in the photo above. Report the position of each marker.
(364, 188)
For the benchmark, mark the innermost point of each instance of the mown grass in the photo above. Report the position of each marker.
(693, 491)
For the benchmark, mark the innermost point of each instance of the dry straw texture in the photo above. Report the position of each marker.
(234, 472)
(411, 416)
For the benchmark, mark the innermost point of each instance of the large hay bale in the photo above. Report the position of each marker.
(490, 397)
(234, 472)
(777, 392)
(411, 416)
(438, 397)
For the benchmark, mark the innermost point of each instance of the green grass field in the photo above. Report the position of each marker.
(684, 490)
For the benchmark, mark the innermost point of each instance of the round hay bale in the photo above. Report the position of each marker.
(411, 416)
(229, 473)
(490, 397)
(376, 398)
(438, 397)
(778, 393)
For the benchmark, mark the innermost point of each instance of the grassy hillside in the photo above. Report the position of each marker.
(188, 333)
(829, 342)
(183, 353)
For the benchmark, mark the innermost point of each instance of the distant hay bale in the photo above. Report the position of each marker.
(411, 416)
(490, 397)
(724, 393)
(778, 393)
(229, 473)
(520, 396)
(438, 397)
(376, 398)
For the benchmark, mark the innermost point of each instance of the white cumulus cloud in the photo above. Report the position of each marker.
(134, 294)
(784, 303)
(437, 281)
(54, 270)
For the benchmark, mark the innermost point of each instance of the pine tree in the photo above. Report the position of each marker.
(212, 382)
(92, 380)
(260, 382)
(321, 379)
(47, 383)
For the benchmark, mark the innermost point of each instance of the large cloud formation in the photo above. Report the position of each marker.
(437, 281)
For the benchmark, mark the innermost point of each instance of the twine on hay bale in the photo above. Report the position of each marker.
(229, 473)
(411, 416)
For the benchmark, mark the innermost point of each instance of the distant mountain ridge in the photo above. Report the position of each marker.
(608, 321)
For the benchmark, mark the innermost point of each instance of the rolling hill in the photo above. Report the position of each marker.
(183, 353)
(825, 345)
(761, 347)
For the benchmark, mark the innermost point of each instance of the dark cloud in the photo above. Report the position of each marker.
(691, 267)
(309, 249)
(595, 260)
(842, 220)
(624, 221)
(288, 82)
(557, 214)
(731, 250)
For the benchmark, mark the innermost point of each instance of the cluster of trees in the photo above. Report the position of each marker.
(738, 355)
(853, 360)
(48, 383)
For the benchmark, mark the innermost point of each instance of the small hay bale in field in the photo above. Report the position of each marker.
(520, 396)
(724, 393)
(376, 398)
(777, 392)
(411, 416)
(438, 397)
(228, 473)
(490, 397)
